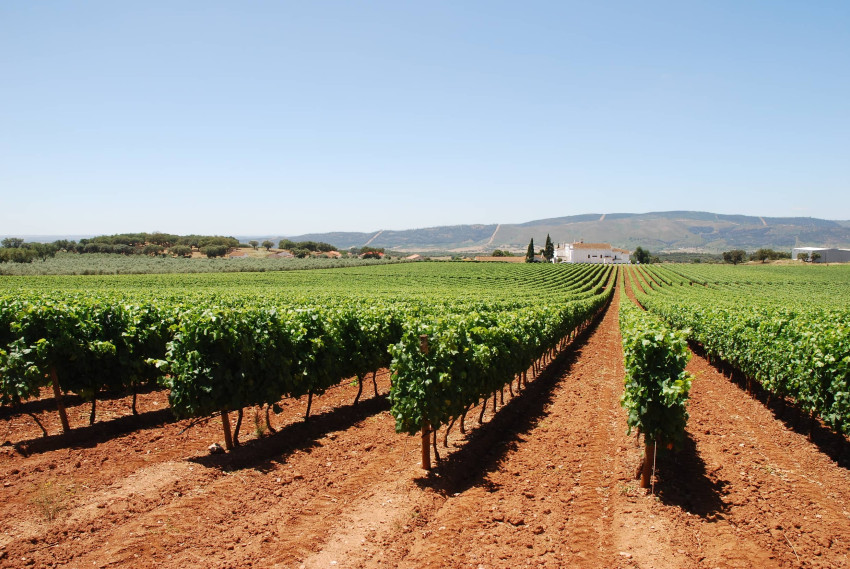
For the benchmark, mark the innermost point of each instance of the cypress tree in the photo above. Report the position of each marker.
(550, 249)
(529, 255)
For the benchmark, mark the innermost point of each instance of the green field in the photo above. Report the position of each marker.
(785, 327)
(452, 334)
(222, 342)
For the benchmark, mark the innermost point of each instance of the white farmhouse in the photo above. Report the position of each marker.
(581, 252)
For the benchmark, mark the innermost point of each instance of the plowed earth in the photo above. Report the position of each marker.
(548, 481)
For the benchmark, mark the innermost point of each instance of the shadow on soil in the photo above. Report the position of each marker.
(262, 453)
(48, 403)
(682, 481)
(90, 436)
(487, 445)
(835, 445)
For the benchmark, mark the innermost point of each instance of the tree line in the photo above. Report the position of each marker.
(736, 256)
(15, 249)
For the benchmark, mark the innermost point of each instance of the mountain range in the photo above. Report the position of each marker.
(659, 232)
(671, 231)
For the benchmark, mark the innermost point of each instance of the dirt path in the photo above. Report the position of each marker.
(557, 489)
(546, 482)
(753, 490)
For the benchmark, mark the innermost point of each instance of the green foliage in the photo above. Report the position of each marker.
(501, 253)
(17, 255)
(254, 243)
(228, 341)
(267, 244)
(225, 359)
(371, 252)
(549, 250)
(152, 249)
(90, 345)
(42, 250)
(689, 258)
(65, 263)
(218, 241)
(764, 255)
(752, 317)
(734, 256)
(212, 251)
(472, 354)
(310, 246)
(641, 256)
(164, 240)
(141, 243)
(135, 240)
(656, 384)
(529, 254)
(65, 245)
(12, 242)
(181, 250)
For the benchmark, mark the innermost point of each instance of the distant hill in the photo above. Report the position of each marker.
(671, 231)
(660, 232)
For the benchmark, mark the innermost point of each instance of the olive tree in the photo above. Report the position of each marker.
(12, 242)
(181, 250)
(213, 251)
(734, 256)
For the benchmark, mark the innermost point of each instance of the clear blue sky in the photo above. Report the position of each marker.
(293, 117)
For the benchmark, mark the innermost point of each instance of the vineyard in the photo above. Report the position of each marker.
(787, 330)
(528, 395)
(224, 348)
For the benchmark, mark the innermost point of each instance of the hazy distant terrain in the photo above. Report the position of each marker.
(658, 231)
(671, 231)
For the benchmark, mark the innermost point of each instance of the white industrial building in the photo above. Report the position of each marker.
(827, 255)
(581, 252)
